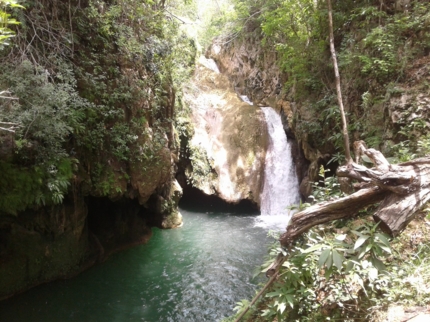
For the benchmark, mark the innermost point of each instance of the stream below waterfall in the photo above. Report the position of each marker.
(194, 273)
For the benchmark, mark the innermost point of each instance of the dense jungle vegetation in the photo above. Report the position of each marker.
(79, 82)
(89, 86)
(348, 270)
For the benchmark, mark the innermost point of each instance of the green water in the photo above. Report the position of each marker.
(195, 273)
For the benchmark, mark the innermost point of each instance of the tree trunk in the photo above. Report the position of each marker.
(403, 190)
(338, 89)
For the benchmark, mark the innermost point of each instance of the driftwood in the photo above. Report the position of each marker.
(402, 190)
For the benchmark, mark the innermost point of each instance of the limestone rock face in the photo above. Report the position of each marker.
(406, 108)
(228, 147)
(39, 246)
(253, 71)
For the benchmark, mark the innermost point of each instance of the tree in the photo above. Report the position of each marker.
(338, 88)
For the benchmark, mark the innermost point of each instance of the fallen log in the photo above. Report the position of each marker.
(328, 211)
(402, 189)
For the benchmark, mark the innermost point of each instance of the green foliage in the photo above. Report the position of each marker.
(225, 19)
(410, 282)
(48, 111)
(380, 61)
(327, 188)
(417, 143)
(329, 270)
(339, 271)
(374, 46)
(5, 21)
(201, 165)
(294, 27)
(100, 87)
(34, 186)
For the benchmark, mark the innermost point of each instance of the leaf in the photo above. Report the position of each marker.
(341, 237)
(385, 248)
(15, 5)
(312, 249)
(281, 307)
(361, 253)
(337, 259)
(349, 266)
(328, 273)
(323, 257)
(290, 300)
(383, 239)
(378, 264)
(365, 158)
(368, 247)
(273, 294)
(267, 312)
(360, 241)
(329, 261)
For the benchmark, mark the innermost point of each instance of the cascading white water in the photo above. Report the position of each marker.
(281, 188)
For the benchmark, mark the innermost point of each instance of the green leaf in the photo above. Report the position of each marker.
(383, 239)
(290, 300)
(328, 273)
(368, 247)
(323, 257)
(15, 5)
(378, 264)
(273, 294)
(267, 312)
(349, 266)
(337, 259)
(329, 261)
(385, 248)
(312, 249)
(365, 158)
(360, 241)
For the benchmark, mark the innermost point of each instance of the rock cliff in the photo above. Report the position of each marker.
(254, 71)
(94, 169)
(229, 140)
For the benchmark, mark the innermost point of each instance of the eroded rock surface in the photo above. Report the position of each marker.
(254, 71)
(229, 143)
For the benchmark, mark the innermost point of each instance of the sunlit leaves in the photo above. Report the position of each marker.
(330, 268)
(6, 20)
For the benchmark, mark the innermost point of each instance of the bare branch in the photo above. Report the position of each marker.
(2, 93)
(8, 130)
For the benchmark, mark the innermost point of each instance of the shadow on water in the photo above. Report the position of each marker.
(196, 200)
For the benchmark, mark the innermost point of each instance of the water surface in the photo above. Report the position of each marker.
(195, 273)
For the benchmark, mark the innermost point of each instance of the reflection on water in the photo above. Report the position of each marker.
(195, 273)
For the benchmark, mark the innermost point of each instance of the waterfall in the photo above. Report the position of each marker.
(281, 187)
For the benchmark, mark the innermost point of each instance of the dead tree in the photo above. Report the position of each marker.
(401, 188)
